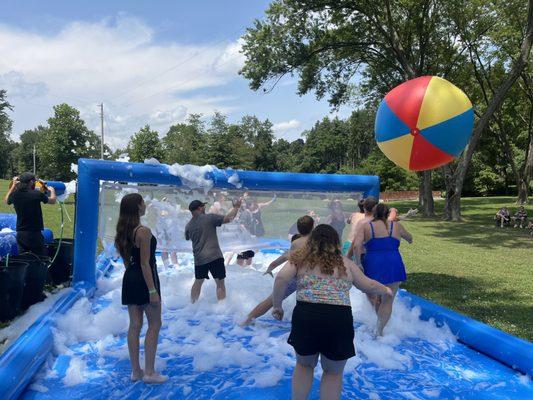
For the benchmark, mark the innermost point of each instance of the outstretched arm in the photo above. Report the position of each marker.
(267, 203)
(283, 278)
(276, 263)
(233, 212)
(404, 234)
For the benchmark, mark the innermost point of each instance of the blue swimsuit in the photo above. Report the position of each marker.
(383, 261)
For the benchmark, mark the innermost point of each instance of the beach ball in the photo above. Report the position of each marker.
(424, 123)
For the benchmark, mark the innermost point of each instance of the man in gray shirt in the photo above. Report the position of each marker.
(208, 258)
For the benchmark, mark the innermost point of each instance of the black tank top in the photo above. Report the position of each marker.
(135, 258)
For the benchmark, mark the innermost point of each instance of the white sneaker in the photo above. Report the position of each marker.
(155, 378)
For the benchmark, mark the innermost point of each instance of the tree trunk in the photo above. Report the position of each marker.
(425, 194)
(455, 186)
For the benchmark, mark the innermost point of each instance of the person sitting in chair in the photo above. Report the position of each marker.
(520, 218)
(502, 217)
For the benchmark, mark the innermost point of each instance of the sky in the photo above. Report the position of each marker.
(148, 62)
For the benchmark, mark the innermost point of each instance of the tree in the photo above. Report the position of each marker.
(259, 135)
(485, 29)
(6, 145)
(24, 152)
(328, 43)
(64, 142)
(185, 143)
(325, 147)
(145, 144)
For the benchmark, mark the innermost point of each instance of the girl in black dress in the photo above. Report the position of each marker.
(140, 286)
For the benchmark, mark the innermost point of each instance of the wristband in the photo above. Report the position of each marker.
(152, 291)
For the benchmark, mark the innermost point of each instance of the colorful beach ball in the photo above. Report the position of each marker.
(424, 123)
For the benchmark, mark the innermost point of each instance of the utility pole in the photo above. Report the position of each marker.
(102, 131)
(33, 159)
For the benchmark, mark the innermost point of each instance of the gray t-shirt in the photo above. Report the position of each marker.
(202, 231)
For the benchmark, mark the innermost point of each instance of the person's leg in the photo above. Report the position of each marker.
(374, 300)
(331, 382)
(153, 315)
(302, 377)
(259, 310)
(196, 289)
(174, 258)
(221, 289)
(164, 257)
(385, 308)
(134, 331)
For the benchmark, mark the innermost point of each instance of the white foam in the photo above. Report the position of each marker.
(11, 333)
(193, 176)
(209, 333)
(152, 161)
(235, 180)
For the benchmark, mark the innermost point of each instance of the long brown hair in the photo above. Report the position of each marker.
(129, 218)
(381, 213)
(323, 249)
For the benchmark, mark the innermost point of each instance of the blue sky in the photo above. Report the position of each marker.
(148, 62)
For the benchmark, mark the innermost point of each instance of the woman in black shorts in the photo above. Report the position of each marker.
(322, 321)
(141, 290)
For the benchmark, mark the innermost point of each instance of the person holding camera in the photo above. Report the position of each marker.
(27, 202)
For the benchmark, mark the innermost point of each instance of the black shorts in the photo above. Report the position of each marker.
(322, 328)
(246, 255)
(216, 268)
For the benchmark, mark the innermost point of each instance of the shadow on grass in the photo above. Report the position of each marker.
(477, 298)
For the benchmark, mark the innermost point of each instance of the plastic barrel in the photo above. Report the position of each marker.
(12, 283)
(61, 269)
(35, 278)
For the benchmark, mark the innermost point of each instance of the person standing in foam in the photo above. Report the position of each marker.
(322, 321)
(383, 261)
(141, 290)
(208, 258)
(305, 225)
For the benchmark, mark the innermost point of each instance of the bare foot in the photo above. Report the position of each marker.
(137, 376)
(155, 378)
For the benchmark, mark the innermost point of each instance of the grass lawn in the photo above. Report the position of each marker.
(471, 267)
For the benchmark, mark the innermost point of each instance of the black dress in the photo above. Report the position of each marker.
(134, 288)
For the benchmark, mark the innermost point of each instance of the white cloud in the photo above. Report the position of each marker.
(18, 87)
(117, 61)
(286, 125)
(288, 130)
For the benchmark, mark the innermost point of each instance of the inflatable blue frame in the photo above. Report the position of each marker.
(23, 358)
(90, 172)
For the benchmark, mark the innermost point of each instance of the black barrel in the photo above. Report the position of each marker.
(12, 275)
(35, 278)
(61, 269)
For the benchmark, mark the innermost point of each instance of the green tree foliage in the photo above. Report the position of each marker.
(64, 142)
(6, 144)
(259, 136)
(145, 144)
(185, 143)
(24, 152)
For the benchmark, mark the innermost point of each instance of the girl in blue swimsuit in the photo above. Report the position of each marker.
(383, 261)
